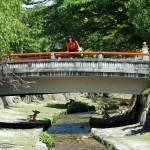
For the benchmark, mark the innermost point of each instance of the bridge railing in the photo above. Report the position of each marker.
(80, 67)
(53, 55)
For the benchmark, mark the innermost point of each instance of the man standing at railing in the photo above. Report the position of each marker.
(145, 50)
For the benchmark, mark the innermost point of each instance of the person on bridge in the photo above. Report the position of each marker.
(72, 46)
(145, 49)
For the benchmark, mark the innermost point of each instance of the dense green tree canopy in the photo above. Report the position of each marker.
(98, 25)
(138, 12)
(36, 40)
(11, 26)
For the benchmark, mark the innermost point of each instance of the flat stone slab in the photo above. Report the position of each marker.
(107, 137)
(26, 125)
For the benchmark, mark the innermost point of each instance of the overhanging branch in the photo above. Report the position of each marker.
(8, 76)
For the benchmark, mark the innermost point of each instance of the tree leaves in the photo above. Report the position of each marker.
(97, 24)
(11, 13)
(90, 21)
(138, 12)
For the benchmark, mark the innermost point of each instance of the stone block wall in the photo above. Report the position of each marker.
(6, 101)
(145, 116)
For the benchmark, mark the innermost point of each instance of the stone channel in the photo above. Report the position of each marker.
(72, 132)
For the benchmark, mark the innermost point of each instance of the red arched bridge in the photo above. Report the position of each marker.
(55, 73)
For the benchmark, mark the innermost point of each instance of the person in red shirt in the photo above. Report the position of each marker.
(72, 46)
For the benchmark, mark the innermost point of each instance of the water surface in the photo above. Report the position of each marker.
(71, 132)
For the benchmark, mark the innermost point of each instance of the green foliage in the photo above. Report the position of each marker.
(35, 40)
(11, 24)
(47, 139)
(138, 12)
(79, 106)
(72, 110)
(132, 102)
(148, 72)
(91, 108)
(146, 91)
(56, 117)
(97, 25)
(123, 102)
(110, 147)
(53, 97)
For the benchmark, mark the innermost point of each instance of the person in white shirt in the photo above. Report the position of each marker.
(145, 50)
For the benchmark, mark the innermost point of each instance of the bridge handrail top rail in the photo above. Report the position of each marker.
(85, 53)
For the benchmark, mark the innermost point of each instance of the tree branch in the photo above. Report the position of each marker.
(7, 76)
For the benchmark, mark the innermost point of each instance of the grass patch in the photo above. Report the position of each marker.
(26, 137)
(47, 139)
(146, 91)
(111, 102)
(45, 112)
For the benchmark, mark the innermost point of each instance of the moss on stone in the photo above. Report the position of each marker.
(132, 102)
(146, 91)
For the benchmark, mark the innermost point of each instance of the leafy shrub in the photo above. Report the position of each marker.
(53, 97)
(123, 103)
(72, 110)
(56, 117)
(80, 107)
(91, 108)
(47, 139)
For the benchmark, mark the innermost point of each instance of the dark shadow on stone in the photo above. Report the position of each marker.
(125, 128)
(146, 126)
(136, 129)
(59, 106)
(116, 121)
(119, 120)
(5, 103)
(26, 125)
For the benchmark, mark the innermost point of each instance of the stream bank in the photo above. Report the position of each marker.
(13, 139)
(128, 137)
(72, 132)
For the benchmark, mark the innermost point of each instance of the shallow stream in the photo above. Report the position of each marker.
(72, 132)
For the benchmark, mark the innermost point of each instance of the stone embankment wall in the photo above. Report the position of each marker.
(143, 110)
(6, 101)
(145, 115)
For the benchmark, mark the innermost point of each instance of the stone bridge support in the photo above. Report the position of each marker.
(142, 111)
(139, 108)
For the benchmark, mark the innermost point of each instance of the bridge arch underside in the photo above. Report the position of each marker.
(78, 84)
